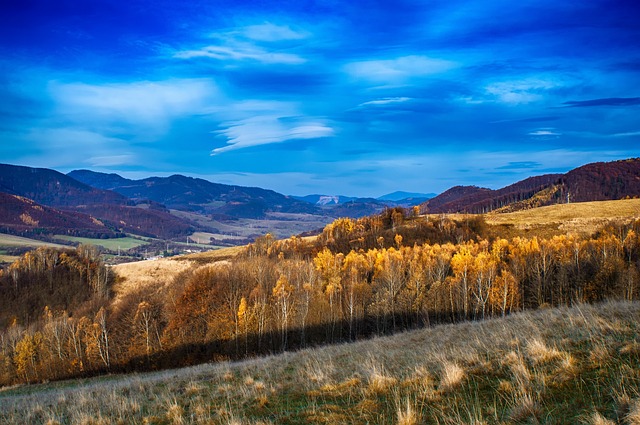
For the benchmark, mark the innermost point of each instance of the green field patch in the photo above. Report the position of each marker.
(19, 241)
(110, 244)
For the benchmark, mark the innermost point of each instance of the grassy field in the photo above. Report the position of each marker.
(11, 241)
(576, 365)
(110, 244)
(583, 217)
(155, 275)
(18, 241)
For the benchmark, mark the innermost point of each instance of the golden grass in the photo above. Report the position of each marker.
(582, 217)
(155, 275)
(561, 366)
(149, 274)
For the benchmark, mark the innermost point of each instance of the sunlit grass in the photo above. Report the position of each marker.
(560, 366)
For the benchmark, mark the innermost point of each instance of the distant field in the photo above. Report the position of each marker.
(111, 244)
(11, 241)
(279, 224)
(583, 217)
(14, 241)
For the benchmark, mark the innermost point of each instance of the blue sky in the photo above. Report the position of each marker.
(354, 98)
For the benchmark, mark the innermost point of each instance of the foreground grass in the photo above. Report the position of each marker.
(556, 366)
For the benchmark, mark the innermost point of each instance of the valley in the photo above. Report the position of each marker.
(398, 316)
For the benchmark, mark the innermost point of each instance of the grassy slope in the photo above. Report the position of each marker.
(11, 241)
(557, 366)
(583, 217)
(154, 275)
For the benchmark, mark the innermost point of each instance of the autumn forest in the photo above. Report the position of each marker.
(359, 278)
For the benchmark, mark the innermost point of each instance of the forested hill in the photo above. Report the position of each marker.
(52, 188)
(359, 278)
(592, 182)
(194, 194)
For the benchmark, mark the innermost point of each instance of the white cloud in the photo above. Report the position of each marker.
(70, 147)
(112, 160)
(272, 32)
(545, 133)
(385, 101)
(241, 52)
(399, 70)
(520, 91)
(268, 129)
(247, 44)
(145, 102)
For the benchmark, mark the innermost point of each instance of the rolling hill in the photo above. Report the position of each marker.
(592, 182)
(199, 195)
(19, 215)
(52, 188)
(43, 200)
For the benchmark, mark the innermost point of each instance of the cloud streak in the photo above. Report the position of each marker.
(611, 101)
(400, 70)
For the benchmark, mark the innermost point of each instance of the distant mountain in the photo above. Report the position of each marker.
(198, 195)
(52, 188)
(400, 196)
(325, 199)
(70, 198)
(22, 216)
(592, 182)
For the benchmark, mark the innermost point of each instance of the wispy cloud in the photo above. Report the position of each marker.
(399, 70)
(145, 102)
(263, 43)
(241, 52)
(272, 32)
(385, 101)
(611, 101)
(520, 165)
(269, 129)
(544, 133)
(520, 91)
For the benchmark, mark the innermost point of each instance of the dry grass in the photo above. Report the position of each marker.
(157, 274)
(146, 275)
(561, 366)
(580, 218)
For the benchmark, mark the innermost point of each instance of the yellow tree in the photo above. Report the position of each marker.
(26, 356)
(485, 268)
(354, 269)
(462, 264)
(505, 293)
(328, 266)
(282, 294)
(390, 277)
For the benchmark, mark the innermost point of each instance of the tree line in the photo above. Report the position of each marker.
(363, 277)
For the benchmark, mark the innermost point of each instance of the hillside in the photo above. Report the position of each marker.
(193, 194)
(592, 182)
(581, 218)
(560, 366)
(51, 188)
(477, 200)
(19, 215)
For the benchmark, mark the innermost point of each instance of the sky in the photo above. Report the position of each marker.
(357, 98)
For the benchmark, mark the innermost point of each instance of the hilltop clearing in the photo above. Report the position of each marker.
(581, 218)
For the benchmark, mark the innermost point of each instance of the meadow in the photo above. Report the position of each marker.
(550, 366)
(111, 244)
